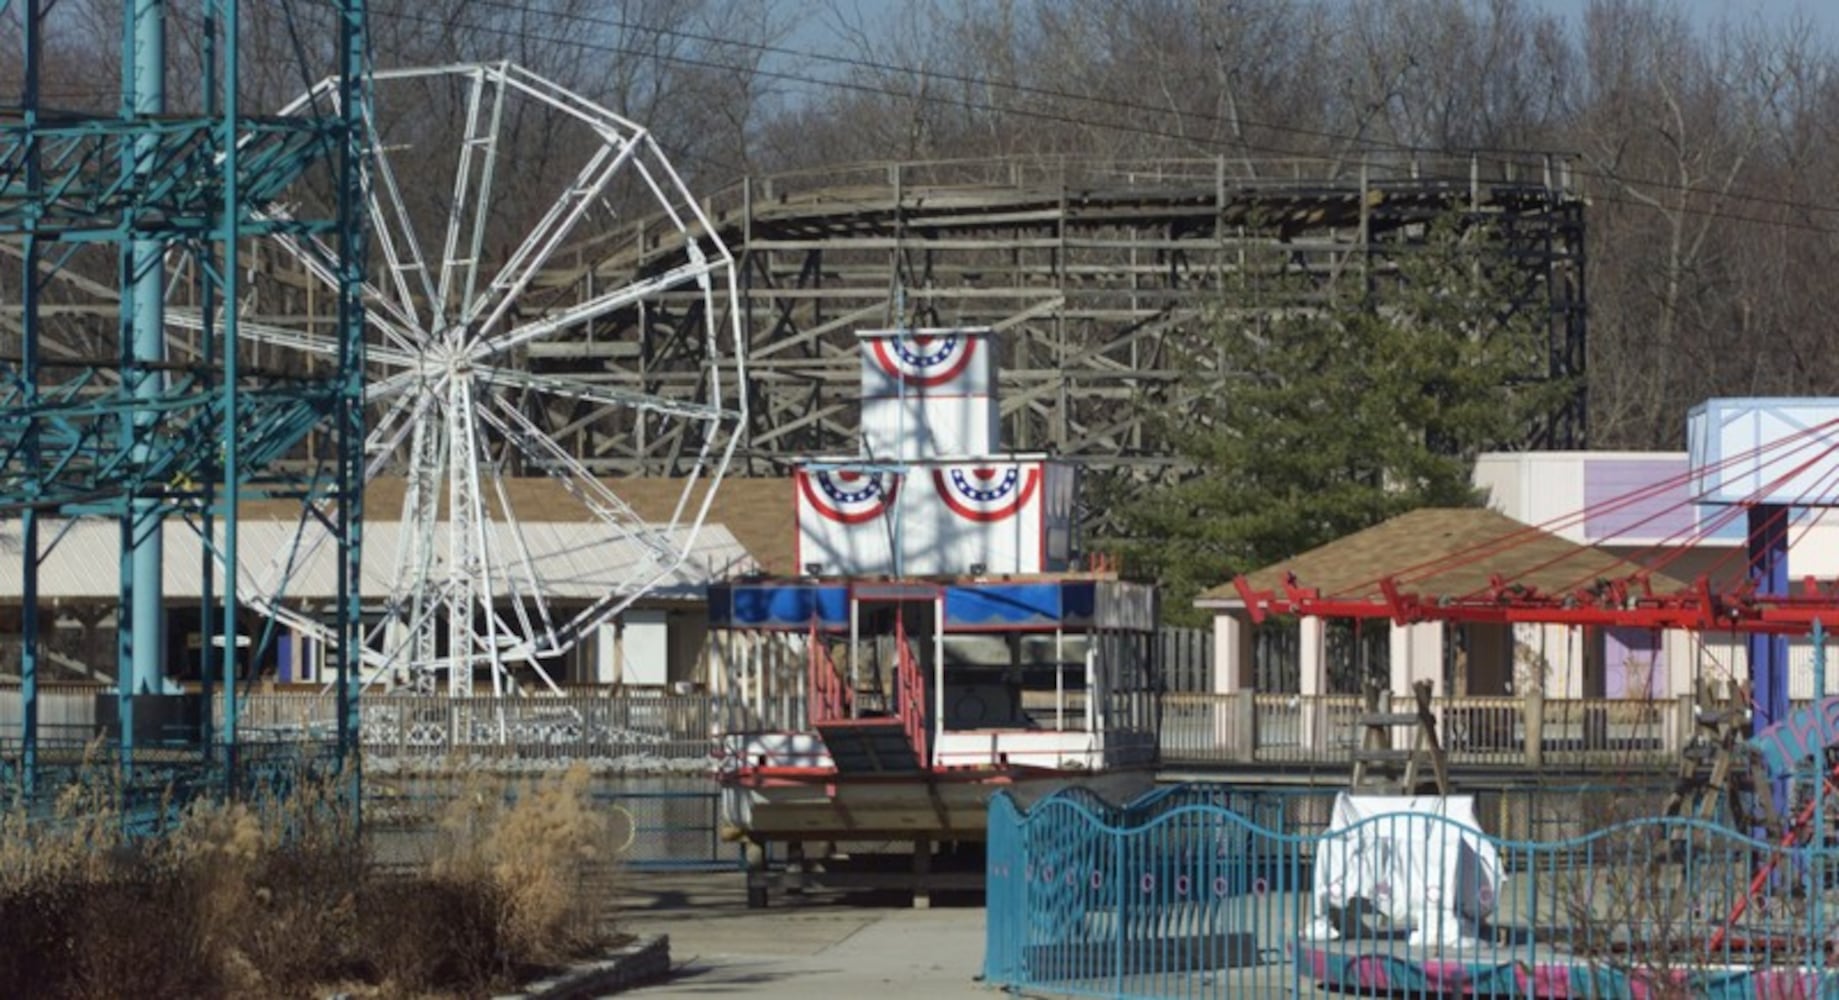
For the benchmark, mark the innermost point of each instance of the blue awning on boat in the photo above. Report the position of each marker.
(970, 605)
(774, 605)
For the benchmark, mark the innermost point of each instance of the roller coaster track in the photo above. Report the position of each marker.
(1094, 272)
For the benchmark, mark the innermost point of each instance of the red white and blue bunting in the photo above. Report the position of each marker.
(986, 493)
(924, 359)
(849, 497)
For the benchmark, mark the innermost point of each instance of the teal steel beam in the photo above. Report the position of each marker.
(108, 179)
(139, 439)
(209, 268)
(145, 303)
(232, 426)
(353, 149)
(28, 376)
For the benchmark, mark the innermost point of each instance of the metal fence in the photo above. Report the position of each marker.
(665, 727)
(1196, 727)
(650, 824)
(570, 727)
(1179, 894)
(676, 830)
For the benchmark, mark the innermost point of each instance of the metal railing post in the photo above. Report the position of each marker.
(1534, 711)
(1245, 728)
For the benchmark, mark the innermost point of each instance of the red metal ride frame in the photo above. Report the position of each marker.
(829, 696)
(911, 686)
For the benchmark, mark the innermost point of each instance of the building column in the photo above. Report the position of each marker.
(1312, 660)
(1679, 653)
(1417, 655)
(1232, 652)
(1768, 551)
(1234, 679)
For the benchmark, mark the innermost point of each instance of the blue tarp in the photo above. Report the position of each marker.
(769, 605)
(1015, 604)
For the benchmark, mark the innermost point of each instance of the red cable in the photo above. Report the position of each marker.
(1695, 533)
(1723, 517)
(1481, 550)
(1578, 553)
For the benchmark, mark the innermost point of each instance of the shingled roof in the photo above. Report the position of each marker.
(758, 512)
(1441, 551)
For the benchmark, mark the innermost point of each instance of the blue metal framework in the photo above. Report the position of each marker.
(132, 434)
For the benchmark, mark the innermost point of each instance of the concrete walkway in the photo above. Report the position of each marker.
(825, 945)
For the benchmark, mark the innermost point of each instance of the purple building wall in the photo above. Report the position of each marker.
(1663, 513)
(1634, 665)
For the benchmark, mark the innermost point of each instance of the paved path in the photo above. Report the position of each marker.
(823, 946)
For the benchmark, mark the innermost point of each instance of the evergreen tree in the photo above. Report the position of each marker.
(1326, 421)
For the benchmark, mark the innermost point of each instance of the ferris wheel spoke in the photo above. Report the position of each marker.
(414, 565)
(317, 344)
(404, 415)
(389, 216)
(312, 255)
(588, 392)
(480, 141)
(267, 585)
(697, 270)
(613, 602)
(545, 238)
(526, 585)
(378, 165)
(602, 502)
(393, 386)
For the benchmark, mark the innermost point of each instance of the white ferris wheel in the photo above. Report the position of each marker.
(456, 415)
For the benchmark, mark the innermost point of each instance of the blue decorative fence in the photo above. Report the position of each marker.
(1180, 895)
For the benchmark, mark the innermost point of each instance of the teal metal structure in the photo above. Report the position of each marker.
(132, 433)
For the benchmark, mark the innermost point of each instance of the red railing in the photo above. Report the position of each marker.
(828, 694)
(911, 684)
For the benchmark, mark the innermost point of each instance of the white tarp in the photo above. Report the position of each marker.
(1417, 861)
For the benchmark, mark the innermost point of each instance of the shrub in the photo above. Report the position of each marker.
(282, 897)
(541, 849)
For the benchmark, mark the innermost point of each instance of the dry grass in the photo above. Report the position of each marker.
(539, 848)
(283, 899)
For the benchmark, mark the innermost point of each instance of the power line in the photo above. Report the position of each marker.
(1485, 154)
(1131, 128)
(1498, 156)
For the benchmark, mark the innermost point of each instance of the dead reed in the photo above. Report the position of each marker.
(284, 897)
